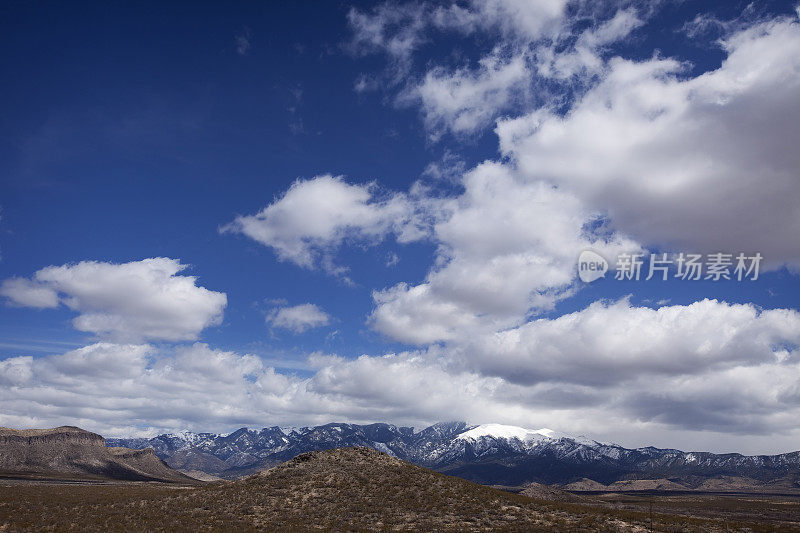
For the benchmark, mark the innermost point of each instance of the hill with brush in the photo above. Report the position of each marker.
(347, 489)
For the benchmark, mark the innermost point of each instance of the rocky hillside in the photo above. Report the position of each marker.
(68, 452)
(348, 489)
(490, 454)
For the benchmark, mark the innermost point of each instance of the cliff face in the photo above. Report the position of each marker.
(72, 453)
(55, 436)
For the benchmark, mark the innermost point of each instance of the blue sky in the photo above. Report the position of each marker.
(429, 173)
(146, 148)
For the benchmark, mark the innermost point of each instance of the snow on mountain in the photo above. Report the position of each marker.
(188, 437)
(381, 447)
(500, 431)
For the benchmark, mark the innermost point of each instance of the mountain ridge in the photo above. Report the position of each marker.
(490, 454)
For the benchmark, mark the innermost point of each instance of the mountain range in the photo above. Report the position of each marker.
(491, 454)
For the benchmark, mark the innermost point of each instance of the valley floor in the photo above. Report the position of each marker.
(758, 512)
(252, 506)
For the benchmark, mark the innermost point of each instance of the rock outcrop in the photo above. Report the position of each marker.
(69, 452)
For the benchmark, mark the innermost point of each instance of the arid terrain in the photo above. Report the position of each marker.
(359, 489)
(67, 452)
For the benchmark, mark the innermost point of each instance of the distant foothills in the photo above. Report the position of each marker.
(492, 454)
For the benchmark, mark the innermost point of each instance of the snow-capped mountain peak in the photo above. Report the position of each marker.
(189, 437)
(500, 431)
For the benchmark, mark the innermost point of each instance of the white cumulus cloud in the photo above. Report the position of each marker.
(314, 217)
(298, 318)
(701, 164)
(611, 343)
(145, 299)
(465, 100)
(508, 248)
(537, 43)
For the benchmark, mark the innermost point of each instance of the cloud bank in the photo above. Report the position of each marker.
(613, 371)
